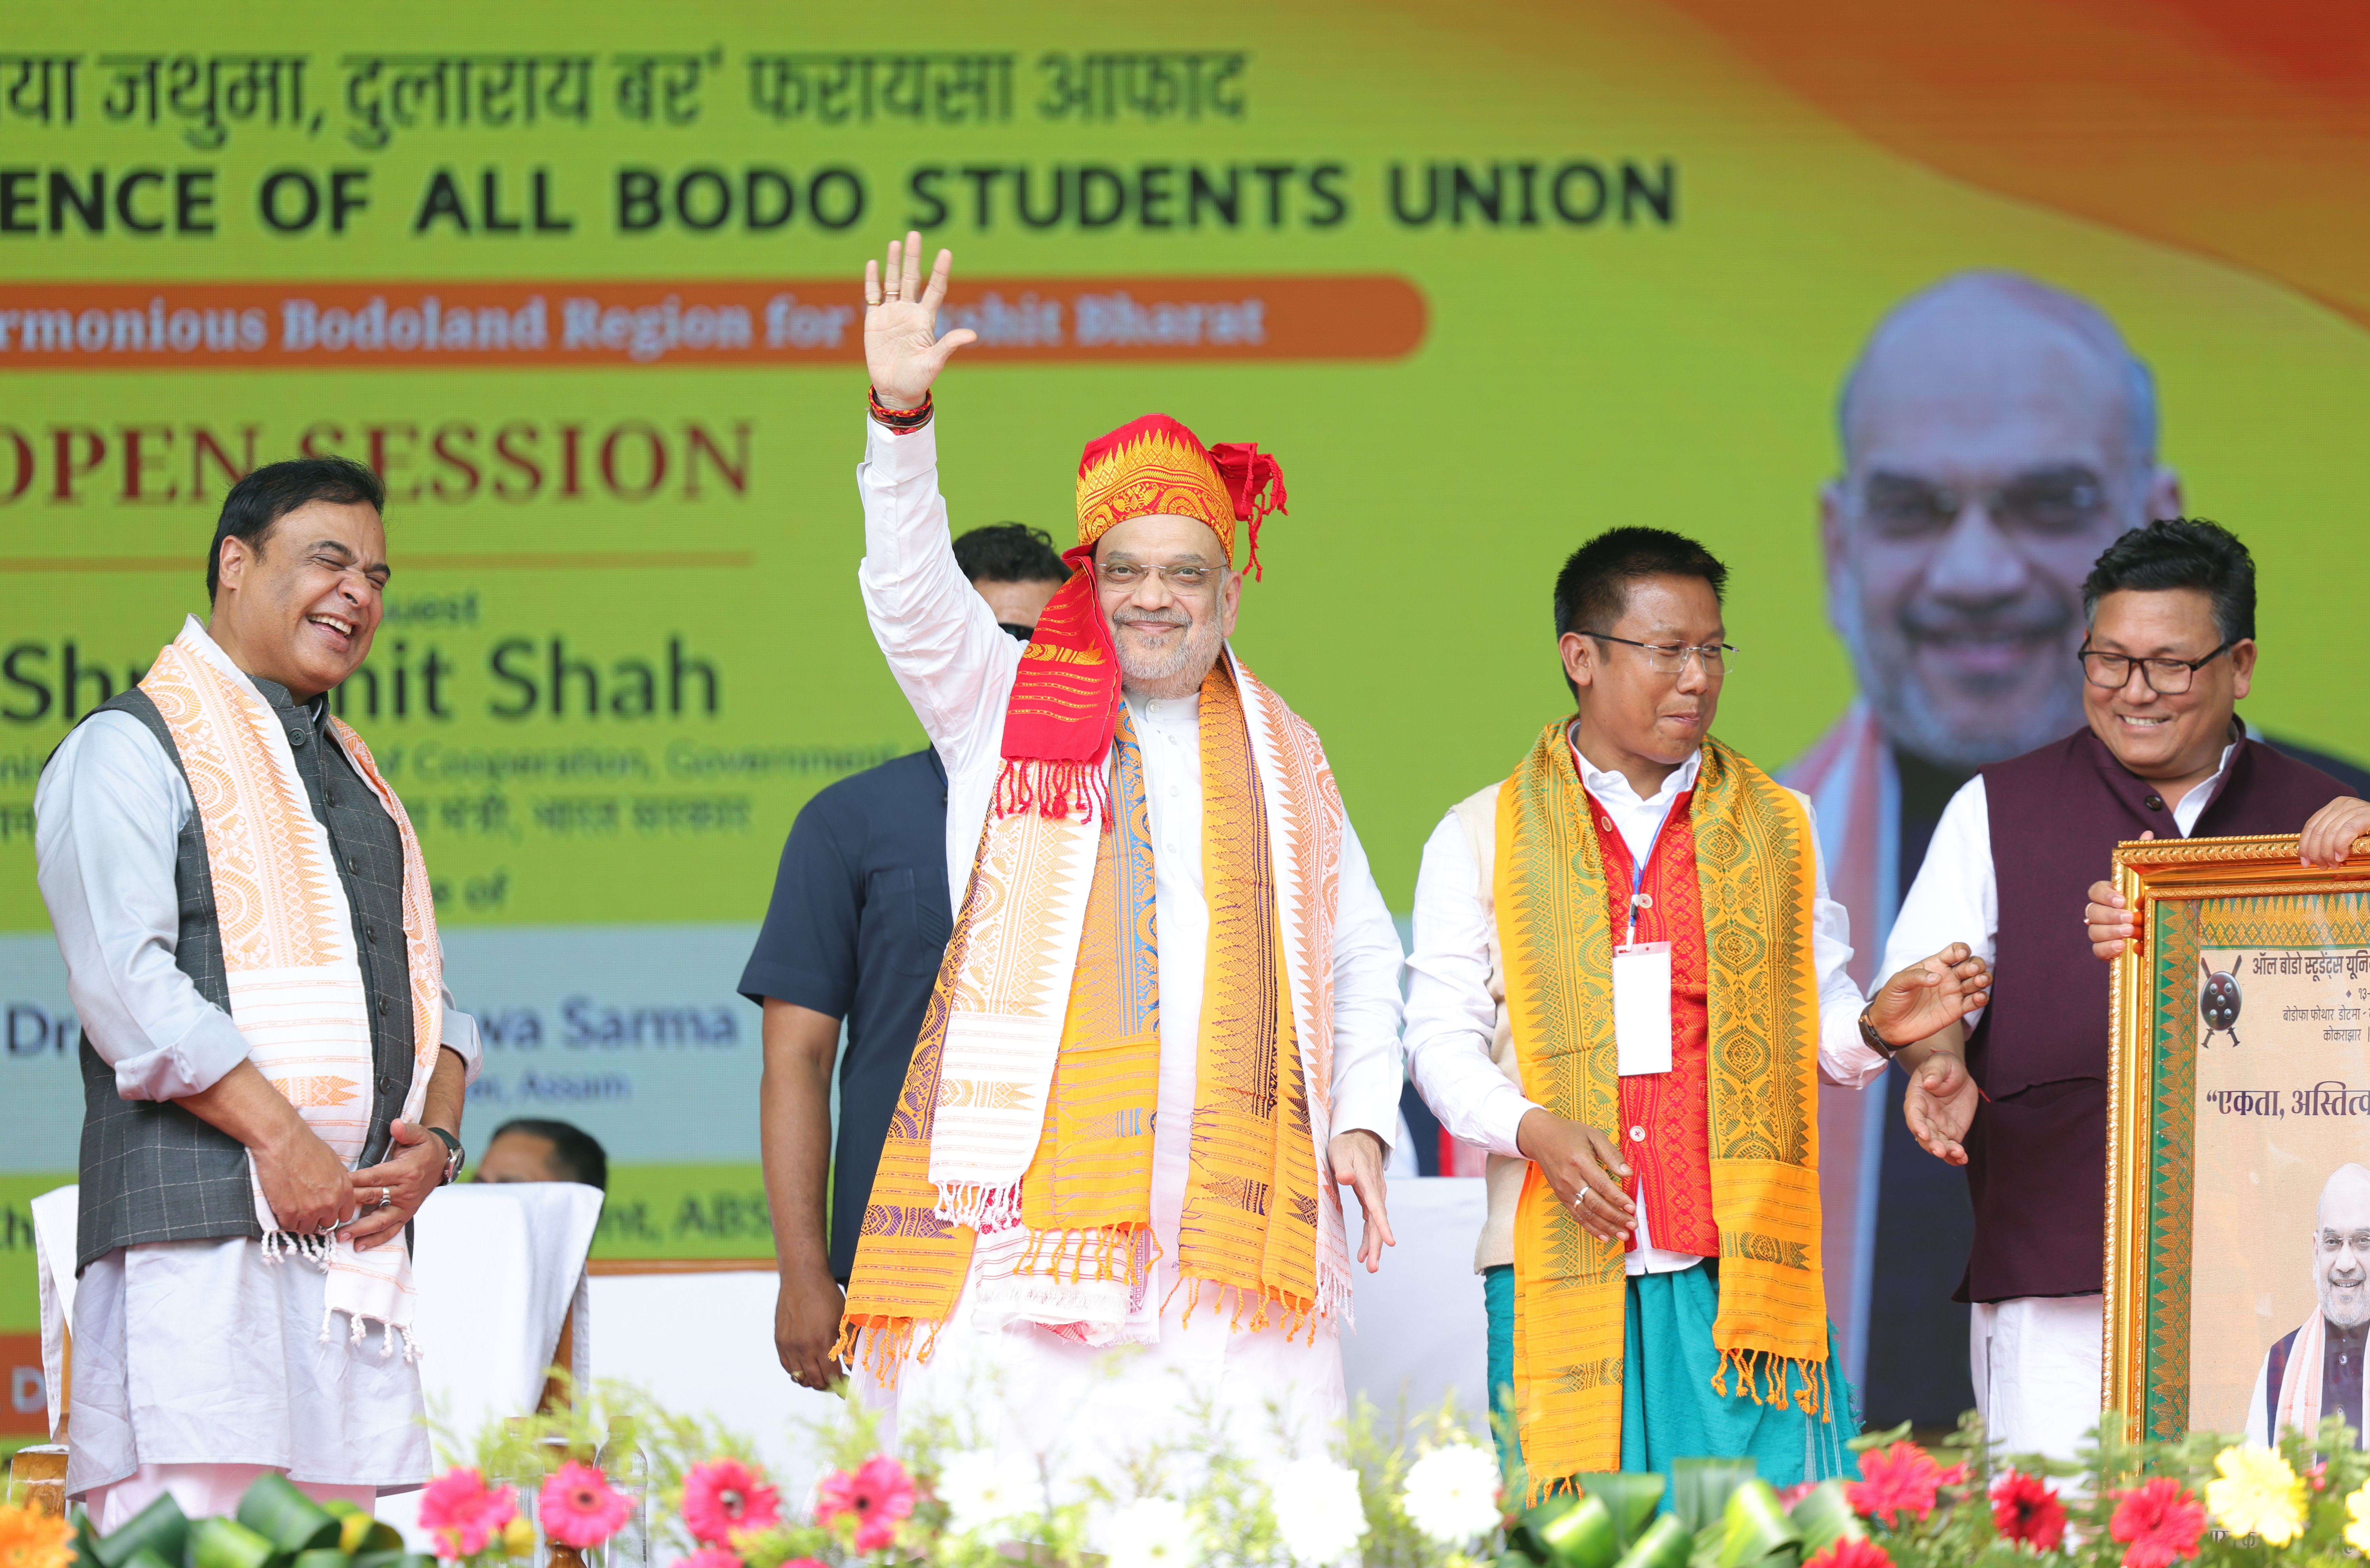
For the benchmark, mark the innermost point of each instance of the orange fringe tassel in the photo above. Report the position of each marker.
(1815, 1397)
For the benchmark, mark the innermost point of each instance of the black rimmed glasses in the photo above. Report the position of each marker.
(2166, 677)
(1670, 658)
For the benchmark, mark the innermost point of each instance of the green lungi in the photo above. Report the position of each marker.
(1668, 1408)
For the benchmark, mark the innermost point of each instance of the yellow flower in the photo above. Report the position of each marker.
(518, 1539)
(2256, 1494)
(2357, 1534)
(29, 1539)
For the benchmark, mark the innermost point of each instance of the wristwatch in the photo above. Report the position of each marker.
(454, 1154)
(1875, 1042)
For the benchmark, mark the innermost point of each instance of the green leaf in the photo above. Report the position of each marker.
(1826, 1518)
(1665, 1544)
(1582, 1535)
(161, 1528)
(1699, 1488)
(1755, 1529)
(225, 1543)
(394, 1559)
(1633, 1496)
(1869, 1442)
(322, 1557)
(1524, 1535)
(292, 1522)
(144, 1558)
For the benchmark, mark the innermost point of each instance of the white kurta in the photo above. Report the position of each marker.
(1452, 1005)
(191, 1352)
(2035, 1360)
(1087, 1409)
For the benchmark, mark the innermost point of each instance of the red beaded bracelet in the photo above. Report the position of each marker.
(901, 419)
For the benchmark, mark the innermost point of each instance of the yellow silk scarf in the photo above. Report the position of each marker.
(1250, 1221)
(1754, 865)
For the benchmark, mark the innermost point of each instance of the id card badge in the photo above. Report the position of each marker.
(1641, 1008)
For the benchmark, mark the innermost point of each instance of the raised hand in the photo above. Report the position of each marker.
(902, 346)
(1931, 995)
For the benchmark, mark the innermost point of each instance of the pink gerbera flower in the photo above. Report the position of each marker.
(579, 1508)
(461, 1515)
(725, 1496)
(875, 1494)
(1896, 1484)
(712, 1557)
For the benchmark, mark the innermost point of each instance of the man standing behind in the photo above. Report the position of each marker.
(273, 1070)
(2316, 1370)
(1167, 1022)
(1637, 925)
(857, 924)
(2169, 650)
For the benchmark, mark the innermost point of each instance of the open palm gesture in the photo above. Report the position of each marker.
(902, 346)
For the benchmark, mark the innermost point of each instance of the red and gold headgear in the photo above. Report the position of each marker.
(1155, 465)
(1065, 702)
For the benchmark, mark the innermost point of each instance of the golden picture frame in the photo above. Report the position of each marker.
(2238, 1086)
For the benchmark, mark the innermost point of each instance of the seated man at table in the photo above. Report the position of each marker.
(527, 1149)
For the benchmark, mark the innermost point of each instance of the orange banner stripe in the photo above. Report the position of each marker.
(330, 326)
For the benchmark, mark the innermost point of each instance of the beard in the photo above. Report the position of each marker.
(1172, 671)
(1912, 720)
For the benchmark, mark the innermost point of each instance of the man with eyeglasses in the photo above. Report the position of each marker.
(2022, 1102)
(2315, 1370)
(1628, 978)
(1997, 433)
(1165, 1032)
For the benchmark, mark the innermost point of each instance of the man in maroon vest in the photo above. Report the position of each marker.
(2170, 650)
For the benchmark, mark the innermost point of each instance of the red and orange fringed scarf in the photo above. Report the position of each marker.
(1021, 1154)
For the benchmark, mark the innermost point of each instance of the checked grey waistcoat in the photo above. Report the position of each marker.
(153, 1171)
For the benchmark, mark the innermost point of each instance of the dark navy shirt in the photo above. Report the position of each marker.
(858, 922)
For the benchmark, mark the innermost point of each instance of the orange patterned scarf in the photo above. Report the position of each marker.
(1754, 865)
(1053, 1228)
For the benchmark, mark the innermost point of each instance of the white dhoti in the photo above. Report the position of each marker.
(1086, 1412)
(2037, 1366)
(199, 1353)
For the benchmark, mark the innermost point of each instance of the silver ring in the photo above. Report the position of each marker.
(385, 1197)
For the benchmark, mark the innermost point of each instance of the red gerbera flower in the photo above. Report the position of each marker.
(877, 1493)
(2160, 1521)
(2025, 1510)
(725, 1496)
(1851, 1551)
(1897, 1483)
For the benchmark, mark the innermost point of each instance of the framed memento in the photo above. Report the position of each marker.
(2237, 1267)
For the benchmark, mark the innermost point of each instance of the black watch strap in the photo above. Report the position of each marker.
(1875, 1042)
(454, 1154)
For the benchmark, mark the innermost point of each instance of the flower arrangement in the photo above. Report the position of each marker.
(617, 1475)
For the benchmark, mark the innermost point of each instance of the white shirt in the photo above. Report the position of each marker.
(108, 813)
(1084, 1407)
(1956, 895)
(1451, 1017)
(957, 667)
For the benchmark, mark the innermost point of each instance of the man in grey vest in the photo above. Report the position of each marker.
(274, 1078)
